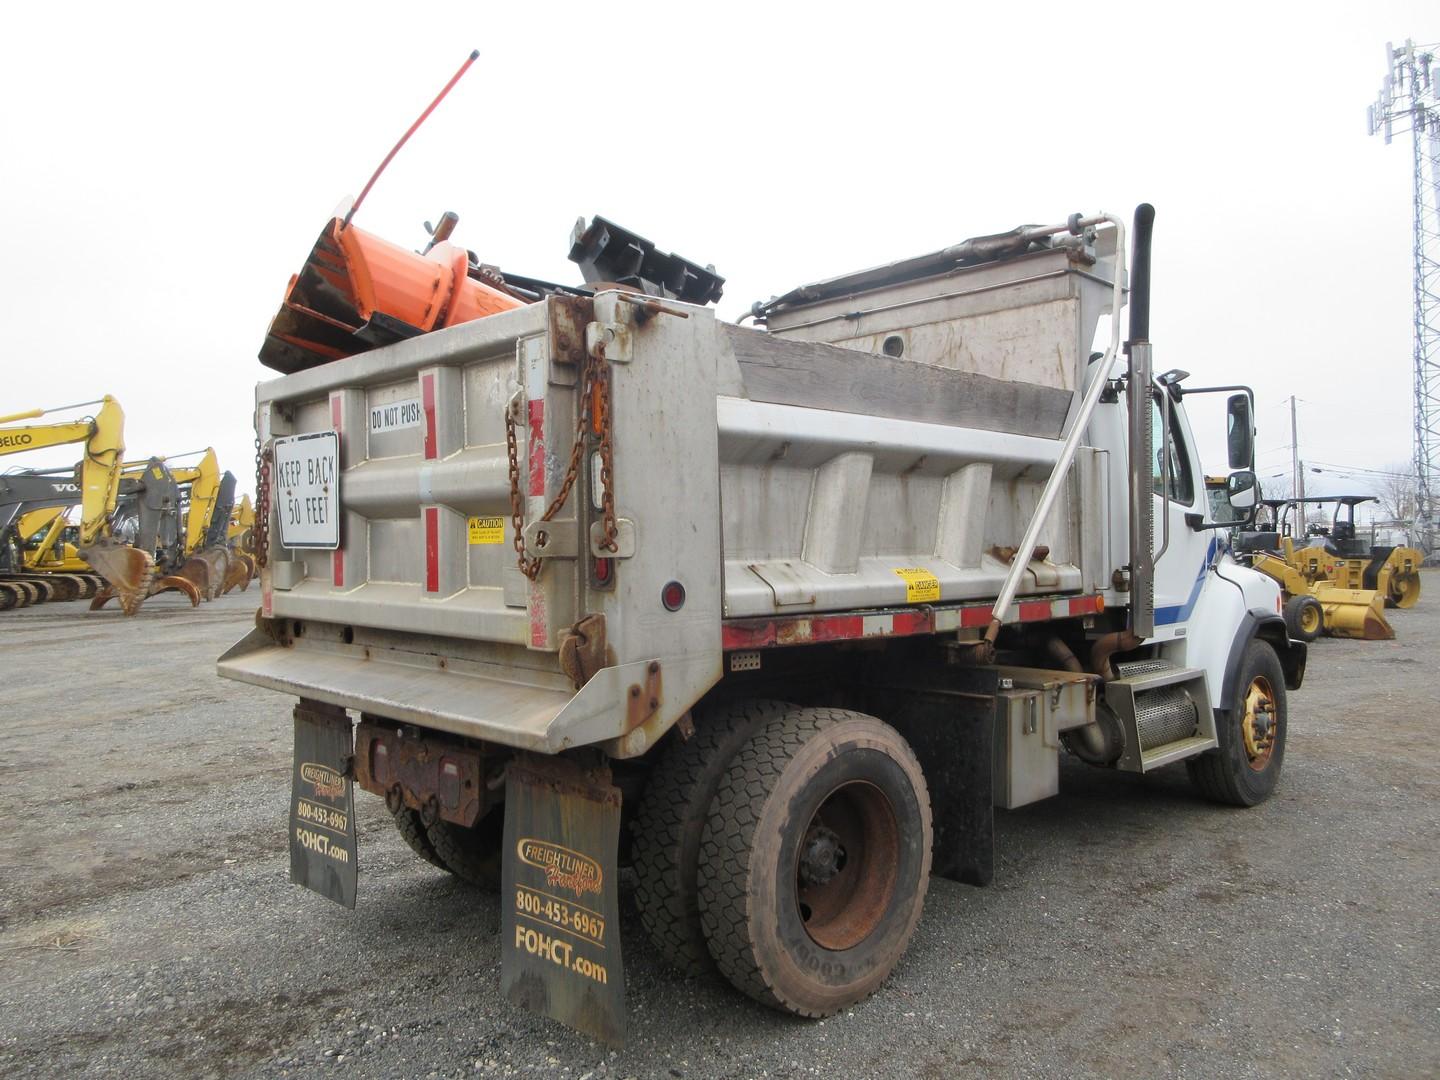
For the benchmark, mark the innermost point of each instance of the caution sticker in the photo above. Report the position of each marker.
(487, 530)
(921, 586)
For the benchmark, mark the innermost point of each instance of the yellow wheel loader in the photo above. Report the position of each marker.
(1315, 601)
(1337, 553)
(126, 569)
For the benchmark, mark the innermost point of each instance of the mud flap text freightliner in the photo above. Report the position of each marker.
(559, 900)
(323, 848)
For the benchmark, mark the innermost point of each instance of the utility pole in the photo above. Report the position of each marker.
(1297, 474)
(1410, 95)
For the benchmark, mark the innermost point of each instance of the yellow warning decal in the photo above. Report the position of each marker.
(487, 530)
(921, 586)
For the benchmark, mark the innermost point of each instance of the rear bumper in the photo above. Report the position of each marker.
(443, 695)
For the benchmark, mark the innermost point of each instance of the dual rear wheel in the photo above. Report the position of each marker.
(812, 860)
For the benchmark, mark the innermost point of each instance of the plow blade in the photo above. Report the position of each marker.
(127, 572)
(1355, 613)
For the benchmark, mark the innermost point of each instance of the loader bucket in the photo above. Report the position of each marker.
(127, 570)
(1355, 613)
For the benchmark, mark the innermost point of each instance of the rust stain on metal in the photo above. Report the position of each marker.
(583, 649)
(1007, 553)
(425, 773)
(642, 701)
(794, 632)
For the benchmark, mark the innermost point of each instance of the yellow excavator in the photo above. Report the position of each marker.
(240, 538)
(201, 566)
(210, 561)
(126, 569)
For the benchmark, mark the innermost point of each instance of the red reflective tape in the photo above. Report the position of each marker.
(826, 628)
(427, 394)
(913, 622)
(1082, 605)
(537, 447)
(747, 635)
(432, 549)
(1031, 610)
(973, 617)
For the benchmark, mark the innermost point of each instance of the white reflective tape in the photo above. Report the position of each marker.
(877, 625)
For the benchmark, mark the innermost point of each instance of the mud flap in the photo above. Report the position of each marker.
(560, 931)
(323, 850)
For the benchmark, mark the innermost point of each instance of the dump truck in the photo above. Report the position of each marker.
(775, 615)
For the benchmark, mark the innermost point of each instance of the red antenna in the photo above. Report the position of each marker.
(406, 137)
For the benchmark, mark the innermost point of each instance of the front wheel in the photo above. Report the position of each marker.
(1245, 768)
(815, 860)
(1304, 618)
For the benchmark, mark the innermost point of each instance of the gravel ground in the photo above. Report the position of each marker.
(147, 927)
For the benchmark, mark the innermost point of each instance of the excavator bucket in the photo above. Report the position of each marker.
(242, 570)
(127, 572)
(1354, 613)
(207, 570)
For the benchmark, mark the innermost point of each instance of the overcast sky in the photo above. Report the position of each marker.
(165, 169)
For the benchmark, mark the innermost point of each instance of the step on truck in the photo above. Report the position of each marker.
(773, 615)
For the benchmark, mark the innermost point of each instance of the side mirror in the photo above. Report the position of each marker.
(1243, 489)
(1240, 432)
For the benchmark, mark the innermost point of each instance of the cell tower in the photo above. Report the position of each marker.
(1410, 99)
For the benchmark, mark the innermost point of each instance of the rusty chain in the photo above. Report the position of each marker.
(594, 392)
(262, 504)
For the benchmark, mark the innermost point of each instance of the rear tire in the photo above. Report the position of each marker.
(671, 821)
(1304, 618)
(815, 860)
(471, 854)
(412, 831)
(1245, 768)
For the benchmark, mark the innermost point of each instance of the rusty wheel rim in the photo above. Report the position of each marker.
(1258, 723)
(847, 866)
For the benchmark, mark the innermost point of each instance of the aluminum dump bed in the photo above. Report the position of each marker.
(762, 482)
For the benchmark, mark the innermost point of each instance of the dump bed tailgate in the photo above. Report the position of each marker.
(421, 611)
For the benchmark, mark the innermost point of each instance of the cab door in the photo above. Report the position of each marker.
(1183, 554)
